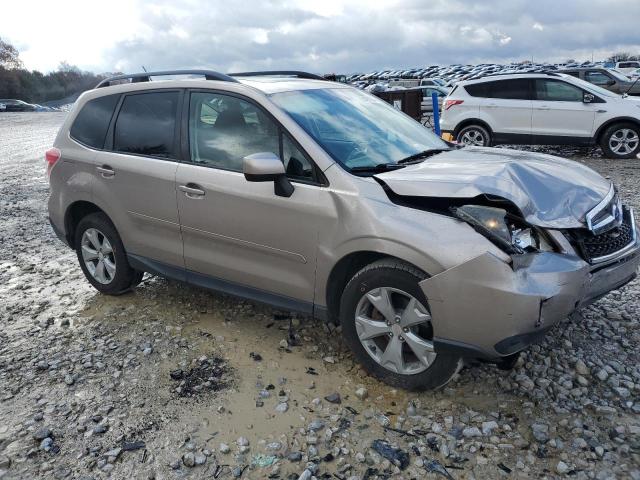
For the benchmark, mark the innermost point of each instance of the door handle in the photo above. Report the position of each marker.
(544, 107)
(106, 171)
(192, 190)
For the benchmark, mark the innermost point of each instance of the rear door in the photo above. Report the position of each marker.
(239, 236)
(559, 114)
(507, 109)
(136, 175)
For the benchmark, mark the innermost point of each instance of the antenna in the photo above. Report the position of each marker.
(626, 94)
(145, 70)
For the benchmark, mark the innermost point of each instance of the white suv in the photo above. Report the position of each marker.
(542, 108)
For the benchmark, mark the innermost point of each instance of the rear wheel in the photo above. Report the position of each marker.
(621, 140)
(102, 256)
(474, 135)
(387, 324)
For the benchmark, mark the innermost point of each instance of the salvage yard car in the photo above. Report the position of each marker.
(316, 197)
(545, 109)
(606, 78)
(12, 105)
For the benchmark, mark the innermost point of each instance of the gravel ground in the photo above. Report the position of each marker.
(171, 381)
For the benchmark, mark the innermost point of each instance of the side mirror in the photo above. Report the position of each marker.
(587, 97)
(267, 167)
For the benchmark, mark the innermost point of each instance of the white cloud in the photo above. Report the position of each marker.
(328, 35)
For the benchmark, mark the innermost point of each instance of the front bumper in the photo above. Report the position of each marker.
(487, 308)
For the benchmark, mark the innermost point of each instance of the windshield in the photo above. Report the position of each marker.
(618, 74)
(357, 129)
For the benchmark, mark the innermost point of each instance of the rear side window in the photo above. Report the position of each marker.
(91, 125)
(517, 89)
(146, 125)
(478, 89)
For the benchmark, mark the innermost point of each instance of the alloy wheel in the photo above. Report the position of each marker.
(473, 137)
(98, 256)
(623, 141)
(394, 328)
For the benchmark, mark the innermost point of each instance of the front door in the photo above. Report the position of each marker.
(239, 236)
(560, 115)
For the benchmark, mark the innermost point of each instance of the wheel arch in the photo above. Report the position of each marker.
(603, 128)
(76, 212)
(343, 270)
(471, 121)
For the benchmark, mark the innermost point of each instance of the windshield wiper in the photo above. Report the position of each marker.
(421, 155)
(381, 167)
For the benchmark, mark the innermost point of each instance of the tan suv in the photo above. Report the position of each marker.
(316, 197)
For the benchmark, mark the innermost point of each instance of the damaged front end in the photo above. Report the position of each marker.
(491, 309)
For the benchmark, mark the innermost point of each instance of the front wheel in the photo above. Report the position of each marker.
(387, 324)
(621, 140)
(102, 256)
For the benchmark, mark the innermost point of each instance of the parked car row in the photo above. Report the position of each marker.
(616, 80)
(450, 74)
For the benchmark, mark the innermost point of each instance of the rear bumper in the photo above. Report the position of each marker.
(59, 233)
(489, 309)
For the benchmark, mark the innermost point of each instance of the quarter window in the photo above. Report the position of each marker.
(296, 164)
(511, 89)
(557, 91)
(91, 125)
(146, 124)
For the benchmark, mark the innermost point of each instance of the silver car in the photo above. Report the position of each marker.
(316, 197)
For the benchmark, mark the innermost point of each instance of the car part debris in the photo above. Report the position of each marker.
(398, 457)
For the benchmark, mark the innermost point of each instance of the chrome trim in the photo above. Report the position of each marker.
(632, 244)
(612, 217)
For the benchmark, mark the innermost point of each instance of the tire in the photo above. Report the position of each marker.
(111, 282)
(469, 133)
(621, 140)
(397, 278)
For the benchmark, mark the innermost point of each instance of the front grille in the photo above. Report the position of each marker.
(595, 247)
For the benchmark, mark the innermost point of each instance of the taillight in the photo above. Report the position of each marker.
(450, 103)
(51, 156)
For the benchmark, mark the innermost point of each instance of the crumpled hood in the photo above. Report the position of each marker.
(549, 191)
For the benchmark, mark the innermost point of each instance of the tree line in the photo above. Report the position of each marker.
(37, 87)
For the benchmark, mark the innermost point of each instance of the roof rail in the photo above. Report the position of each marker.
(534, 72)
(284, 73)
(146, 76)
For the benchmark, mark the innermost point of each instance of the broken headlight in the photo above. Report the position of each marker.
(507, 231)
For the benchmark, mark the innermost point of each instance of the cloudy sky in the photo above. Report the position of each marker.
(318, 36)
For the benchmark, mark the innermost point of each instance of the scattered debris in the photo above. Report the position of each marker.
(395, 455)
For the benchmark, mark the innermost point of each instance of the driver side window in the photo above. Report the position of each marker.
(224, 129)
(557, 91)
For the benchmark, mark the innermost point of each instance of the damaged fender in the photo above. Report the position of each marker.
(478, 303)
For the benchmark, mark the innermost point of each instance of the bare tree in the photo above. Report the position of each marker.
(9, 55)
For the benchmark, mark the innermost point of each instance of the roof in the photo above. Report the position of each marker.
(512, 76)
(269, 85)
(267, 82)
